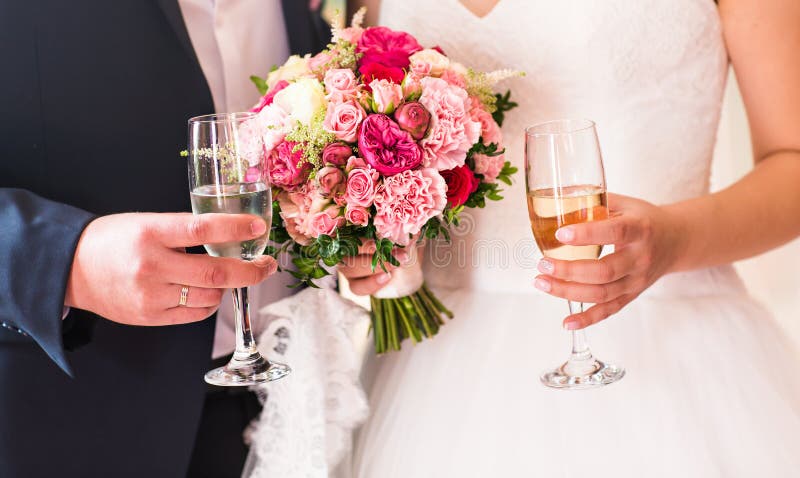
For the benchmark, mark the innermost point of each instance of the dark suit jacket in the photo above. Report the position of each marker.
(94, 98)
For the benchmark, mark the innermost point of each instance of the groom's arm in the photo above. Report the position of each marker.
(37, 244)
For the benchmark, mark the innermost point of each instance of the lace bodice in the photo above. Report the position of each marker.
(651, 74)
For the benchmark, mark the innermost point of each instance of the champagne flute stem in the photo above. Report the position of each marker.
(580, 347)
(245, 343)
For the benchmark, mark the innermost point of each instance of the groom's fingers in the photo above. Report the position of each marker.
(197, 270)
(184, 229)
(197, 297)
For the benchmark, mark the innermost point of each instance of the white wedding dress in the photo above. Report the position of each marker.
(712, 385)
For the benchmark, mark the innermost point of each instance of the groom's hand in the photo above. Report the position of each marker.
(130, 268)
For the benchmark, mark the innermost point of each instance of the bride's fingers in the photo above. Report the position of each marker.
(598, 312)
(355, 267)
(603, 271)
(578, 292)
(371, 284)
(618, 230)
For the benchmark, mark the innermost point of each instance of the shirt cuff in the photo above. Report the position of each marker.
(64, 313)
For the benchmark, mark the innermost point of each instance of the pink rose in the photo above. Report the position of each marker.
(286, 167)
(351, 34)
(406, 201)
(318, 62)
(341, 84)
(354, 162)
(325, 222)
(452, 132)
(386, 147)
(330, 180)
(386, 96)
(336, 154)
(490, 131)
(387, 47)
(267, 99)
(428, 63)
(356, 215)
(412, 88)
(414, 118)
(361, 184)
(488, 166)
(342, 119)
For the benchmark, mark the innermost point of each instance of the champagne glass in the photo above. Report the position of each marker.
(566, 185)
(227, 174)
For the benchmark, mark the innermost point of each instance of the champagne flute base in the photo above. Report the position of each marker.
(240, 373)
(583, 374)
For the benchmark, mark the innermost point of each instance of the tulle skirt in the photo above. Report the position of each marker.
(711, 390)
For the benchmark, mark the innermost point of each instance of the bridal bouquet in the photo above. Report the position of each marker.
(378, 139)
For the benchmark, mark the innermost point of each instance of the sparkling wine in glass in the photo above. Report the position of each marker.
(566, 185)
(227, 175)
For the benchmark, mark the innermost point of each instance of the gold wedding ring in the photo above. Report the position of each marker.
(184, 296)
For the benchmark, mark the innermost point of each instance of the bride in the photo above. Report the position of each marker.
(712, 386)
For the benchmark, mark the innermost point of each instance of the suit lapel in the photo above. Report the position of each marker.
(173, 13)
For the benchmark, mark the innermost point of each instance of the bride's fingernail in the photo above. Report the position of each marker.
(565, 234)
(572, 325)
(546, 266)
(383, 278)
(542, 284)
(401, 256)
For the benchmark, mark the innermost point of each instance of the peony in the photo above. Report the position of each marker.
(461, 182)
(295, 67)
(377, 71)
(488, 166)
(386, 96)
(452, 132)
(330, 181)
(267, 99)
(406, 201)
(429, 63)
(356, 215)
(490, 131)
(361, 185)
(336, 154)
(343, 119)
(386, 147)
(387, 47)
(325, 222)
(297, 210)
(301, 99)
(275, 125)
(286, 167)
(414, 118)
(341, 84)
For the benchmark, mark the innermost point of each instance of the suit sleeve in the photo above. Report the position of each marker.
(38, 238)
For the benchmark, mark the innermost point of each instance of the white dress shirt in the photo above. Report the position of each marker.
(234, 39)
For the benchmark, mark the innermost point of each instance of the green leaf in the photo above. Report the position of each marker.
(260, 83)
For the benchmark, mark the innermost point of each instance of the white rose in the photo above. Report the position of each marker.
(429, 62)
(301, 99)
(295, 67)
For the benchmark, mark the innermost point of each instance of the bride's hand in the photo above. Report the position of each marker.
(647, 241)
(358, 270)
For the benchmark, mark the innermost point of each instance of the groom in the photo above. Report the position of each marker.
(94, 99)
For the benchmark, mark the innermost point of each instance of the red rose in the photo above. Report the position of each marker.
(387, 47)
(461, 182)
(377, 71)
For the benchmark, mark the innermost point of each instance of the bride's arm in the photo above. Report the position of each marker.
(373, 7)
(757, 213)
